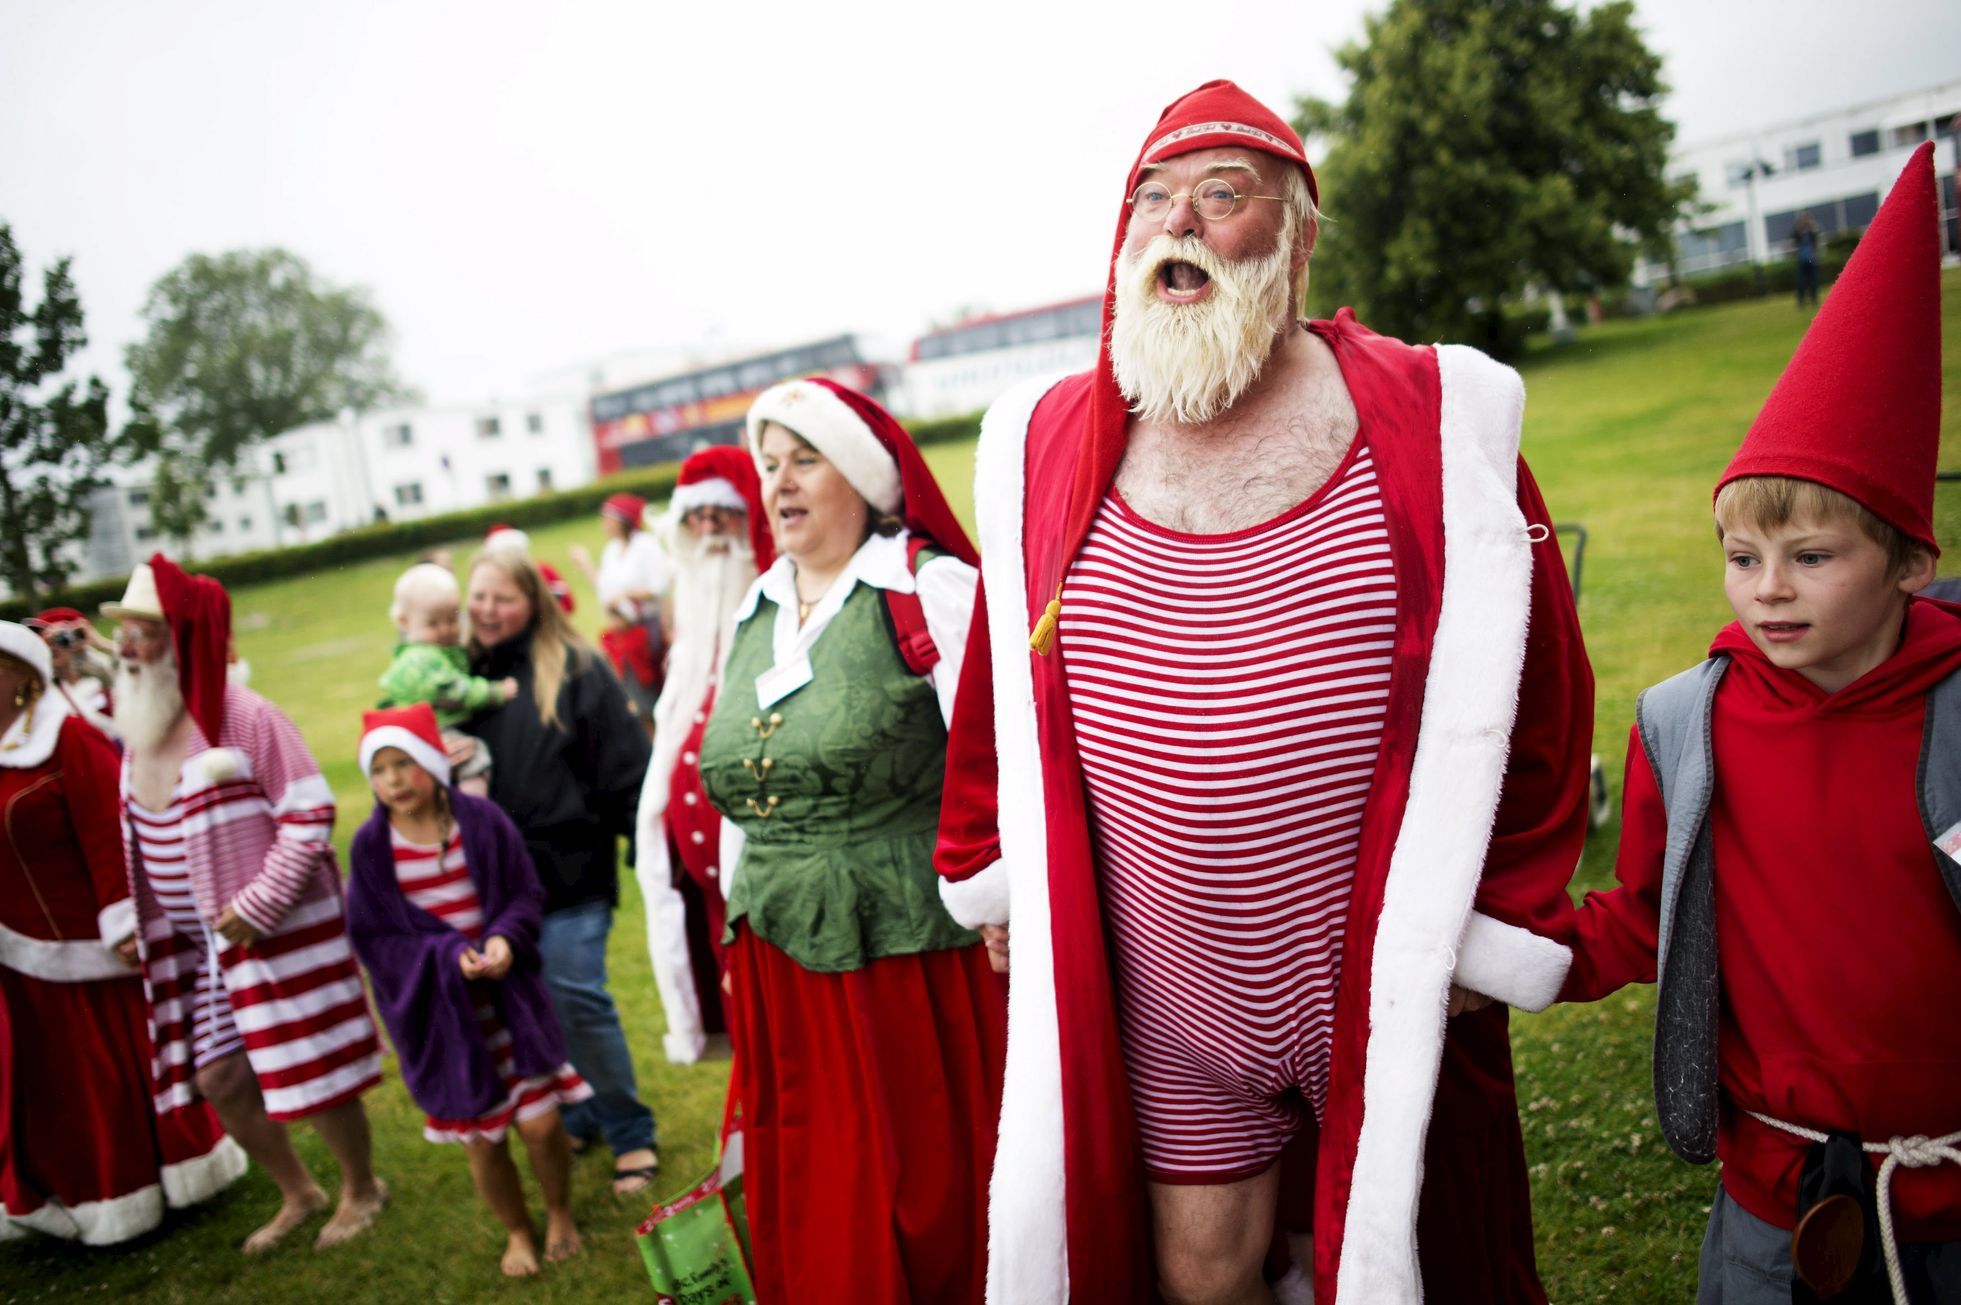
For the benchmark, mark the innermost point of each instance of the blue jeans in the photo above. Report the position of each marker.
(572, 943)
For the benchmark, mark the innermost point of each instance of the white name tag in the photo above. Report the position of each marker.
(1950, 842)
(779, 682)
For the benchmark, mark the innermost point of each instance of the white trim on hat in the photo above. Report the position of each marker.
(139, 597)
(433, 760)
(714, 491)
(1197, 129)
(23, 643)
(826, 423)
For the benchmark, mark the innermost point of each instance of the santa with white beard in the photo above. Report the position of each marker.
(1270, 748)
(719, 543)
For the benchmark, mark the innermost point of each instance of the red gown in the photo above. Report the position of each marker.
(74, 1032)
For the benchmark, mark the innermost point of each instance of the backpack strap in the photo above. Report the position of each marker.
(908, 615)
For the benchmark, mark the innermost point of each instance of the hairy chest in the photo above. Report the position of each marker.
(1215, 487)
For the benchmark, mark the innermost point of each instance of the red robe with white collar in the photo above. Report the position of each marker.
(1474, 826)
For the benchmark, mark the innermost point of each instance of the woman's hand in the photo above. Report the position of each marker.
(460, 747)
(996, 938)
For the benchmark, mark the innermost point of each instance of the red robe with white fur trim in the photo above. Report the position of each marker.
(1474, 826)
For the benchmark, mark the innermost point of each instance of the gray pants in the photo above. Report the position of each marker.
(1746, 1261)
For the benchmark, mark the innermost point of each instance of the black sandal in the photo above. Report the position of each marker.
(642, 1179)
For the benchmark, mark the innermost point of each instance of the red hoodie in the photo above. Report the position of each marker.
(1840, 947)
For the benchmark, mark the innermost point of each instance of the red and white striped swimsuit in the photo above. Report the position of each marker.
(1229, 694)
(159, 839)
(438, 881)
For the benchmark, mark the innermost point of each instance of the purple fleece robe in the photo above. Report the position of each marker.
(412, 963)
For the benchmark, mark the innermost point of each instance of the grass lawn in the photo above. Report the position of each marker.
(1626, 429)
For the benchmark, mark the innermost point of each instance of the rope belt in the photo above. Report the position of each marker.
(1913, 1152)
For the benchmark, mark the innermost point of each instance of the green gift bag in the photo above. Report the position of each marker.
(697, 1245)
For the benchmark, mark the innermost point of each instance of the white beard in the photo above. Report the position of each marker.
(149, 701)
(709, 584)
(1188, 363)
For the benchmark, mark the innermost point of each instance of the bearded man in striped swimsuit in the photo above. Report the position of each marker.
(1294, 757)
(256, 1003)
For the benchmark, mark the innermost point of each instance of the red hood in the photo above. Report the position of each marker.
(1929, 653)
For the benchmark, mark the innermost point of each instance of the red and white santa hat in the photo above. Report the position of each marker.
(503, 536)
(413, 729)
(628, 509)
(869, 448)
(1858, 409)
(725, 477)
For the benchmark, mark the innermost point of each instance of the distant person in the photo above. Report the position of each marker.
(254, 992)
(503, 536)
(570, 762)
(83, 1152)
(721, 540)
(1804, 238)
(443, 908)
(430, 664)
(632, 576)
(83, 663)
(1790, 853)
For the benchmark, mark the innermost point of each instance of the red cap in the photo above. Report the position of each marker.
(628, 508)
(1219, 115)
(199, 613)
(1858, 409)
(701, 483)
(413, 729)
(53, 616)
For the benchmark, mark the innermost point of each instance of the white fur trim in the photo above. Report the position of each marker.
(221, 764)
(84, 960)
(119, 1218)
(667, 928)
(712, 492)
(19, 641)
(1517, 966)
(31, 739)
(200, 1178)
(1470, 698)
(978, 899)
(1028, 1256)
(433, 760)
(827, 424)
(509, 537)
(116, 921)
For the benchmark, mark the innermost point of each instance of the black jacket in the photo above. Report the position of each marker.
(570, 789)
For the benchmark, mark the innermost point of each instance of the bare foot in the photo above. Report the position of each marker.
(355, 1216)
(520, 1256)
(562, 1240)
(291, 1215)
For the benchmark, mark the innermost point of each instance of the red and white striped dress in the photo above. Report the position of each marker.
(438, 881)
(1229, 694)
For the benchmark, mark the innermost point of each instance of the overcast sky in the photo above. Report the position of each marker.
(530, 188)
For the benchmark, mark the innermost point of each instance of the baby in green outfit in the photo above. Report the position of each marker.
(431, 666)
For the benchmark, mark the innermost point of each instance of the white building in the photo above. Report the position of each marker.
(397, 465)
(1837, 165)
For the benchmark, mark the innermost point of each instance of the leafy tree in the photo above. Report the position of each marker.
(239, 347)
(55, 440)
(1488, 146)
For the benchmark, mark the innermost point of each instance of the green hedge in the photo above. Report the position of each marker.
(389, 538)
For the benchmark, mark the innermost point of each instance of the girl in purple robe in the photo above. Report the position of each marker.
(443, 907)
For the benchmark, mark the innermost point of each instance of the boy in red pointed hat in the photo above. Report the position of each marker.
(1790, 852)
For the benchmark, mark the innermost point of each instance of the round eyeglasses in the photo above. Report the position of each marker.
(1213, 199)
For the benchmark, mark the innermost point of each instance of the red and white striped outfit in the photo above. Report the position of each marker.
(1229, 695)
(438, 881)
(249, 828)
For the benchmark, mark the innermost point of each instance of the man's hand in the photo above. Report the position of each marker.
(233, 929)
(126, 951)
(1463, 1001)
(996, 938)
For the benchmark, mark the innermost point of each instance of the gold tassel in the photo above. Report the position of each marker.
(1043, 637)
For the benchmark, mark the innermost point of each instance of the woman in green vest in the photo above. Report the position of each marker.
(868, 1028)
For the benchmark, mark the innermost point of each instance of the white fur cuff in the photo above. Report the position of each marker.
(1515, 965)
(116, 921)
(979, 899)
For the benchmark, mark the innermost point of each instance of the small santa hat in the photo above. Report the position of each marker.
(21, 642)
(1858, 409)
(1219, 115)
(625, 508)
(413, 729)
(503, 536)
(725, 477)
(869, 448)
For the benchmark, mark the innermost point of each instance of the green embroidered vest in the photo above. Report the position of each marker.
(837, 789)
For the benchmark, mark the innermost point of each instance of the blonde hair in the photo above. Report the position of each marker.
(1304, 220)
(557, 647)
(424, 582)
(1764, 502)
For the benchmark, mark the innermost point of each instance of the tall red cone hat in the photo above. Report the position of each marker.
(1858, 409)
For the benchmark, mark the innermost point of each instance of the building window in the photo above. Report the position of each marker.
(1906, 135)
(244, 524)
(278, 463)
(398, 437)
(1865, 142)
(215, 526)
(498, 483)
(144, 534)
(139, 498)
(544, 478)
(534, 423)
(316, 510)
(1800, 157)
(238, 487)
(409, 494)
(488, 428)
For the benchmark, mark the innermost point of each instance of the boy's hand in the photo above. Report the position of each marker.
(508, 687)
(496, 957)
(1463, 1001)
(234, 929)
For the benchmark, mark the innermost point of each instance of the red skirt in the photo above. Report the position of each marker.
(869, 1103)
